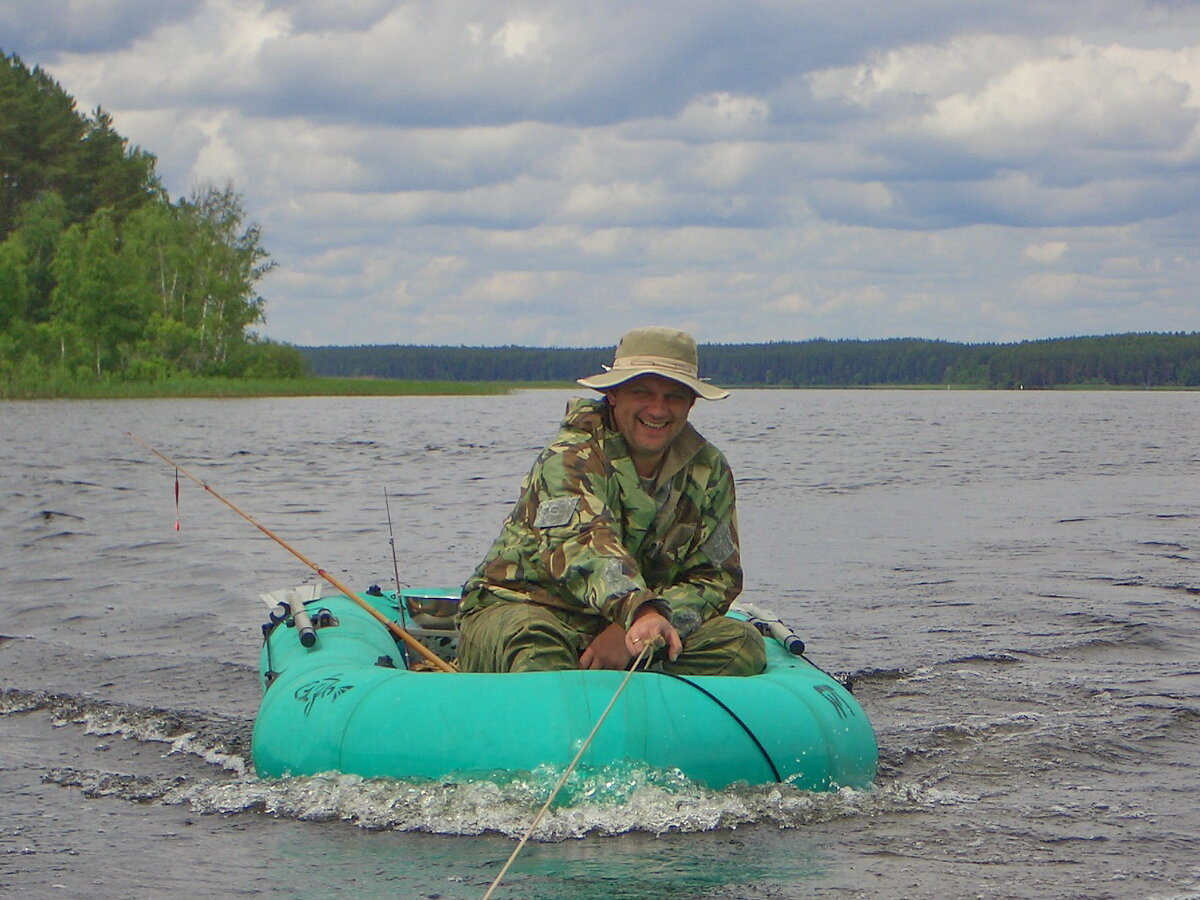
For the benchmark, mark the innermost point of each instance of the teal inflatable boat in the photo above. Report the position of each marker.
(343, 698)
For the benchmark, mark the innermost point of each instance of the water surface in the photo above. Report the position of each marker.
(1010, 577)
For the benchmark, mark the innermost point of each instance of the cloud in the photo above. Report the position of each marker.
(1091, 98)
(85, 26)
(468, 172)
(1046, 252)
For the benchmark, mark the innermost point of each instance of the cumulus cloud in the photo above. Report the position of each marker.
(1106, 98)
(468, 172)
(86, 26)
(1046, 252)
(1028, 131)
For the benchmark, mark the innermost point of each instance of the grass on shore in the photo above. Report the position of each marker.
(268, 387)
(383, 387)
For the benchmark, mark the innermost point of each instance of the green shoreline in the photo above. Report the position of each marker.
(271, 387)
(233, 388)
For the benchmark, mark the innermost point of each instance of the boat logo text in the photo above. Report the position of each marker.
(328, 688)
(843, 708)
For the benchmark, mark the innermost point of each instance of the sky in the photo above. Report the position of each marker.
(554, 172)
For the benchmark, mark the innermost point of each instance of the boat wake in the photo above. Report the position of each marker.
(217, 740)
(617, 800)
(149, 755)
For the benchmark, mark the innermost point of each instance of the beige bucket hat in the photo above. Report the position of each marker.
(655, 350)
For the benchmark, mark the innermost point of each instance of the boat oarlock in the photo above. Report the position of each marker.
(290, 603)
(395, 629)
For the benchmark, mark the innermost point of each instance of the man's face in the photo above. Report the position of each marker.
(650, 412)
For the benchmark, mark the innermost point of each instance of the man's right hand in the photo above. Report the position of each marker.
(650, 627)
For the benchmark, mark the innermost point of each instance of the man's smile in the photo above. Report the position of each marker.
(650, 412)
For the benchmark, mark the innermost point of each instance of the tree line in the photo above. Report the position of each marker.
(102, 275)
(1142, 360)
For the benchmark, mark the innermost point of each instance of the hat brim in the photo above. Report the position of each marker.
(614, 377)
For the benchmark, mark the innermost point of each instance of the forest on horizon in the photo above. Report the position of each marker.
(1124, 360)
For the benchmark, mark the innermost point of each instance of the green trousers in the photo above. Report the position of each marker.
(526, 637)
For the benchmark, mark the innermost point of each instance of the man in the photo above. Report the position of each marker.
(625, 535)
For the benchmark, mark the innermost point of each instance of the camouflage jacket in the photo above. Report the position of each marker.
(589, 539)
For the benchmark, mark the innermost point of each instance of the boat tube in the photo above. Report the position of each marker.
(349, 702)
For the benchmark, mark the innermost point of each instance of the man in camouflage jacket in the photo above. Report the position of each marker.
(625, 534)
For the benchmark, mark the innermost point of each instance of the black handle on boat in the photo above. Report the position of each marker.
(795, 646)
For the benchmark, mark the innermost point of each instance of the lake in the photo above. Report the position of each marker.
(1010, 577)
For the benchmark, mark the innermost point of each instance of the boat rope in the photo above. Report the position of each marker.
(642, 660)
(746, 728)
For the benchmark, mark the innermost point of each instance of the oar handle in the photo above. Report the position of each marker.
(304, 625)
(791, 642)
(395, 630)
(768, 624)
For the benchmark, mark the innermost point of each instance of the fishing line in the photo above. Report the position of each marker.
(396, 568)
(395, 630)
(645, 656)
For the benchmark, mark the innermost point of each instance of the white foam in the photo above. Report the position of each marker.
(616, 800)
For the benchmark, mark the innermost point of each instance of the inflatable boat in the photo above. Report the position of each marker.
(341, 695)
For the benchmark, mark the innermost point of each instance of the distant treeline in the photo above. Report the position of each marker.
(1143, 360)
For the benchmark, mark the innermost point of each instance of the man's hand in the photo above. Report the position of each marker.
(614, 647)
(649, 627)
(607, 650)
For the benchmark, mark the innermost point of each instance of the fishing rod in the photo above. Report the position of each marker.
(395, 565)
(645, 655)
(395, 630)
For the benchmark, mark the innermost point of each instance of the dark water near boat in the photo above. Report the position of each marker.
(1013, 579)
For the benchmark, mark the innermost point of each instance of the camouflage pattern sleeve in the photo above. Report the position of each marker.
(707, 576)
